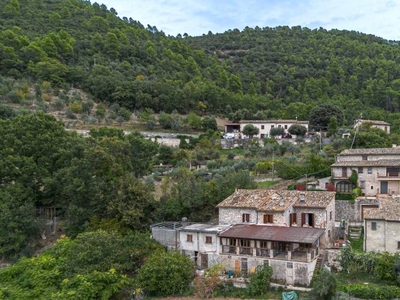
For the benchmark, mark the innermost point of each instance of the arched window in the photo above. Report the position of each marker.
(344, 187)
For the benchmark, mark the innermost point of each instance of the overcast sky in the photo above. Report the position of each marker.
(378, 17)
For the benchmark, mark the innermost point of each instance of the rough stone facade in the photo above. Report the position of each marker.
(352, 211)
(234, 215)
(284, 272)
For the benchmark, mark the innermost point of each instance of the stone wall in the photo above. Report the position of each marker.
(346, 210)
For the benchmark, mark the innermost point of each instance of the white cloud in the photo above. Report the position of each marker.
(379, 17)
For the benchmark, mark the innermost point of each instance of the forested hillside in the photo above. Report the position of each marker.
(284, 72)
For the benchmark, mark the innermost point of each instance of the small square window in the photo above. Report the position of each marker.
(369, 170)
(285, 126)
(398, 245)
(268, 218)
(360, 170)
(362, 184)
(330, 215)
(373, 225)
(364, 157)
(289, 265)
(246, 218)
(266, 262)
(372, 187)
(208, 239)
(189, 238)
(329, 233)
(262, 126)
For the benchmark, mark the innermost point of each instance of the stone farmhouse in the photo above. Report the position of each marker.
(264, 126)
(378, 171)
(286, 229)
(382, 226)
(374, 123)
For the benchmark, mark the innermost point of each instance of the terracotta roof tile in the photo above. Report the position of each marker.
(389, 210)
(368, 163)
(277, 200)
(378, 151)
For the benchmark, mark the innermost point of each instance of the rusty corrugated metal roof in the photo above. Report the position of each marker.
(274, 233)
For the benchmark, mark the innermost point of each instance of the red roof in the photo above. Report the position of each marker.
(274, 233)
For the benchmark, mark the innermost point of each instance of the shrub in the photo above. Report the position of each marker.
(323, 285)
(259, 280)
(75, 107)
(165, 273)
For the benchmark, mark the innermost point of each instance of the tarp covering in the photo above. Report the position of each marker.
(289, 295)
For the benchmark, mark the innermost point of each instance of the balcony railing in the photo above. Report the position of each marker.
(228, 249)
(262, 252)
(246, 250)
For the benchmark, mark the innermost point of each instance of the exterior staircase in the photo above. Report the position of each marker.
(355, 232)
(321, 260)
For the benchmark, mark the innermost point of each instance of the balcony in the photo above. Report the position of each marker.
(388, 176)
(229, 249)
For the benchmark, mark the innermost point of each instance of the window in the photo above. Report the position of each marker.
(373, 225)
(372, 187)
(272, 126)
(344, 186)
(329, 233)
(262, 126)
(244, 243)
(307, 219)
(360, 170)
(293, 219)
(330, 215)
(189, 238)
(264, 244)
(279, 126)
(344, 172)
(364, 157)
(362, 184)
(268, 218)
(208, 239)
(369, 170)
(232, 242)
(289, 265)
(285, 126)
(246, 218)
(398, 245)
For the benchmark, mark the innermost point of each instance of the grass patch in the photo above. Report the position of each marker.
(359, 277)
(357, 244)
(266, 184)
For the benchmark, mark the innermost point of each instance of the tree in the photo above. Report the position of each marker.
(332, 126)
(297, 129)
(275, 131)
(165, 274)
(250, 130)
(323, 285)
(259, 280)
(209, 123)
(320, 116)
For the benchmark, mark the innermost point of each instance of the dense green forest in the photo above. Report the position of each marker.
(283, 72)
(104, 187)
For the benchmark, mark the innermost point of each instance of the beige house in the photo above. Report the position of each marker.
(265, 126)
(200, 243)
(374, 123)
(382, 226)
(285, 229)
(378, 170)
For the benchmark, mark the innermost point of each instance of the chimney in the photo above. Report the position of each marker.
(302, 198)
